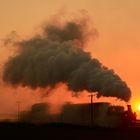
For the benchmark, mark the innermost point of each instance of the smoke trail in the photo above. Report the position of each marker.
(57, 55)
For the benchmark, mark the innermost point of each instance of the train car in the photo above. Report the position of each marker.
(100, 114)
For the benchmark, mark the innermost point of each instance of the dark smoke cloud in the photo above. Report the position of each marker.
(70, 32)
(56, 56)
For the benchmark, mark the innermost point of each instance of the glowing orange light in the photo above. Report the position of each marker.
(138, 107)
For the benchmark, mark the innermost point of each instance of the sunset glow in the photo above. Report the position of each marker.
(116, 45)
(138, 107)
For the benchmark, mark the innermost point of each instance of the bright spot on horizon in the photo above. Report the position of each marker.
(138, 107)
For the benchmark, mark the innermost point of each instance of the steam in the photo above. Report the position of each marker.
(56, 55)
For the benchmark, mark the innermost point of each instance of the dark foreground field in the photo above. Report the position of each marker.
(63, 131)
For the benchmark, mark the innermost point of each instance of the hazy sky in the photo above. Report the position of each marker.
(117, 21)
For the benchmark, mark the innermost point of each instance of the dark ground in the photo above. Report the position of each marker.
(63, 131)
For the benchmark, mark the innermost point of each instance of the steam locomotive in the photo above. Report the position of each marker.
(99, 114)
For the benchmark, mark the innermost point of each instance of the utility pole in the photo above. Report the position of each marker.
(18, 110)
(91, 108)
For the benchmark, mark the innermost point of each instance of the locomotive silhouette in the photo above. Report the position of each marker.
(100, 114)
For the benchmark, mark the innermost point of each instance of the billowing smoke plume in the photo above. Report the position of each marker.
(57, 55)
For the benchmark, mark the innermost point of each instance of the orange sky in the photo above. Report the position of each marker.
(117, 21)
